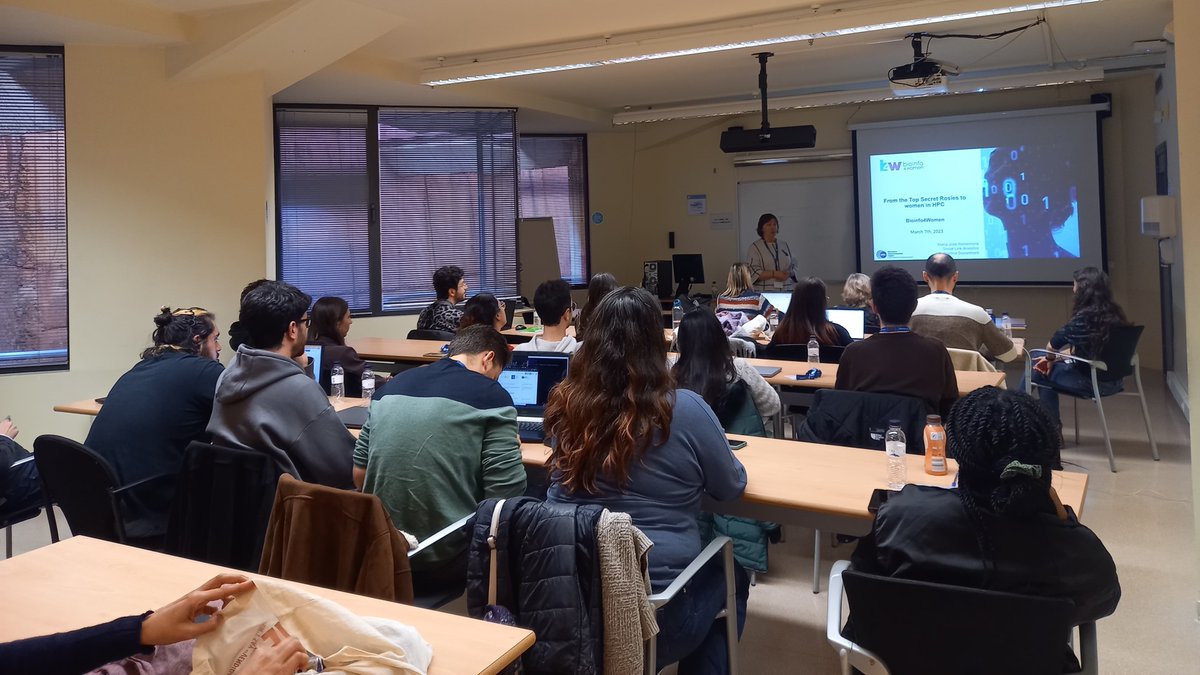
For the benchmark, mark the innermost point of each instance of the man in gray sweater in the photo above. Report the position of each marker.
(266, 402)
(956, 322)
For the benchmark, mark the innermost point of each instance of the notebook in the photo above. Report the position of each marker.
(353, 417)
(528, 379)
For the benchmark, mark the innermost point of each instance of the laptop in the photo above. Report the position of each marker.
(853, 320)
(768, 371)
(529, 378)
(780, 301)
(313, 352)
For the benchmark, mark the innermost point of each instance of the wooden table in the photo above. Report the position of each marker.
(968, 381)
(826, 487)
(399, 349)
(82, 581)
(89, 406)
(668, 334)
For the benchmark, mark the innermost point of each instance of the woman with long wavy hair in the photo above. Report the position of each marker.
(625, 438)
(1093, 314)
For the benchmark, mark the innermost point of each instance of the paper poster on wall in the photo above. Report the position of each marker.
(697, 205)
(721, 221)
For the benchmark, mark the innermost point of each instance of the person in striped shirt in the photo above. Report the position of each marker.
(739, 295)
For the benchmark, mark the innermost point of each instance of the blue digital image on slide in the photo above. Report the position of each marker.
(1031, 202)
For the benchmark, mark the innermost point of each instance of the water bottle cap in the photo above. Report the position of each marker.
(933, 419)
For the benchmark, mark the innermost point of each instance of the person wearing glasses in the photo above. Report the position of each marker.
(266, 402)
(155, 410)
(552, 300)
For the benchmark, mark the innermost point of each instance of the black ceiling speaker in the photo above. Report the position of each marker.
(739, 139)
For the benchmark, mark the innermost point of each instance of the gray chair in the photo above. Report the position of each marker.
(1117, 361)
(724, 546)
(434, 599)
(892, 619)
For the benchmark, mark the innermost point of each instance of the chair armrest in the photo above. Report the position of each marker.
(1094, 363)
(439, 535)
(23, 460)
(1088, 660)
(137, 484)
(666, 595)
(849, 653)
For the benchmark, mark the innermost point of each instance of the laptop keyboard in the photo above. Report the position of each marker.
(530, 430)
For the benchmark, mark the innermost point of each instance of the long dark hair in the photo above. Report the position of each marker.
(480, 310)
(1006, 447)
(705, 363)
(1095, 305)
(599, 286)
(176, 331)
(618, 399)
(806, 316)
(326, 314)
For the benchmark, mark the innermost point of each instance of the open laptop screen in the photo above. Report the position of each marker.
(853, 320)
(314, 352)
(530, 376)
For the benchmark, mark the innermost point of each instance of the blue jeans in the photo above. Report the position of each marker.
(1070, 379)
(688, 634)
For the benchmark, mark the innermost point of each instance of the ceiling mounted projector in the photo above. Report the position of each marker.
(923, 76)
(740, 139)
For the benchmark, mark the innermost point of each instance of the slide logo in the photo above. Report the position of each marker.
(885, 165)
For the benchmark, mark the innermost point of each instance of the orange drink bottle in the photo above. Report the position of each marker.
(935, 446)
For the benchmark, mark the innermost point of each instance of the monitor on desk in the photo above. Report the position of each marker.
(689, 269)
(313, 352)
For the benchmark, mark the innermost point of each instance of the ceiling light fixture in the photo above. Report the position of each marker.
(855, 96)
(475, 72)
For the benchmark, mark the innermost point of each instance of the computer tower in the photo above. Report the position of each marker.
(658, 278)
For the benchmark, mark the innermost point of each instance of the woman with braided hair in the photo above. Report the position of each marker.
(1003, 528)
(156, 409)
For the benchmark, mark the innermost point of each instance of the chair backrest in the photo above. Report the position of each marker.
(81, 482)
(977, 631)
(831, 353)
(1118, 352)
(738, 413)
(222, 505)
(425, 334)
(329, 537)
(971, 360)
(786, 352)
(743, 348)
(860, 419)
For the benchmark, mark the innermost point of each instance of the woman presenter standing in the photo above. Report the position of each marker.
(770, 258)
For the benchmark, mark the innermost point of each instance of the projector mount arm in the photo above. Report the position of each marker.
(764, 133)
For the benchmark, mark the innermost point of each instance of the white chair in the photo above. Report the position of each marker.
(1119, 359)
(723, 545)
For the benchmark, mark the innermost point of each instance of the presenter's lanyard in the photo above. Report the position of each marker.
(895, 329)
(776, 252)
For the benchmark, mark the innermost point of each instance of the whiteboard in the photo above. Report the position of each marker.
(539, 254)
(816, 219)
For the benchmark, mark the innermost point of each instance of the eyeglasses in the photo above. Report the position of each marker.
(306, 320)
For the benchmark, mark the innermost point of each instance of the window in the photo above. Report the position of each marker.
(554, 184)
(372, 200)
(33, 211)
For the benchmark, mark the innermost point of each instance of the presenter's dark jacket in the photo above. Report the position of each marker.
(925, 534)
(901, 363)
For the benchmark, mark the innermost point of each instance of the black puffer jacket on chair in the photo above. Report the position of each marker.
(548, 576)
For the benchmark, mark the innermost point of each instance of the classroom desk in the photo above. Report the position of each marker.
(668, 334)
(82, 581)
(89, 406)
(398, 349)
(826, 487)
(968, 381)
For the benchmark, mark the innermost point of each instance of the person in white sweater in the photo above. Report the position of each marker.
(707, 366)
(552, 300)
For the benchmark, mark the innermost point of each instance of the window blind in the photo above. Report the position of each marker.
(554, 185)
(325, 199)
(33, 212)
(447, 196)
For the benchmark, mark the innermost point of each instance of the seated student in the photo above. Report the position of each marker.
(626, 439)
(330, 324)
(20, 485)
(707, 366)
(739, 295)
(856, 294)
(806, 317)
(552, 300)
(266, 402)
(156, 409)
(90, 648)
(451, 289)
(237, 333)
(957, 323)
(897, 360)
(438, 440)
(600, 285)
(483, 310)
(1003, 527)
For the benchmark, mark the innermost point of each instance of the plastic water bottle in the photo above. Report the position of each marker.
(814, 350)
(1006, 325)
(894, 446)
(368, 383)
(676, 314)
(337, 381)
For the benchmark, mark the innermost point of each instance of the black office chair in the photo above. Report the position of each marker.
(831, 353)
(891, 621)
(1115, 362)
(86, 488)
(784, 352)
(424, 334)
(11, 519)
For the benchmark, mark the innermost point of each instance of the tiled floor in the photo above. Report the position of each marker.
(1143, 514)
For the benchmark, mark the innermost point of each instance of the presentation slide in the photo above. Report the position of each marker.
(1015, 197)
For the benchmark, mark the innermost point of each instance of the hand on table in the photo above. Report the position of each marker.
(285, 658)
(177, 621)
(7, 428)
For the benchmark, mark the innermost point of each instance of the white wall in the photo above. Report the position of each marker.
(165, 206)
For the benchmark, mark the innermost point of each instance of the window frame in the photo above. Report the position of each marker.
(587, 203)
(60, 52)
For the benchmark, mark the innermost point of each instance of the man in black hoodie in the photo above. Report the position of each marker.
(266, 402)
